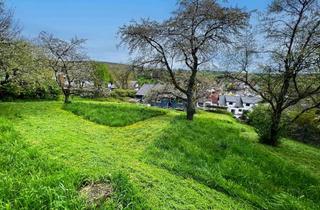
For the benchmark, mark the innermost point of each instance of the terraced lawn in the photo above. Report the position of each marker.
(154, 160)
(115, 115)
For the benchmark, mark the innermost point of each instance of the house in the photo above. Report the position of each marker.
(212, 99)
(249, 102)
(146, 90)
(160, 95)
(237, 105)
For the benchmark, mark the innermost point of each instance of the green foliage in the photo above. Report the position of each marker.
(260, 118)
(221, 111)
(12, 91)
(113, 114)
(306, 128)
(24, 76)
(101, 74)
(146, 80)
(122, 93)
(165, 162)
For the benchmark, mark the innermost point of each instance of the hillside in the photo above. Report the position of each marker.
(151, 158)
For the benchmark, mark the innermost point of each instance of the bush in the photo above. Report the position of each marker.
(12, 91)
(261, 119)
(221, 111)
(306, 128)
(122, 93)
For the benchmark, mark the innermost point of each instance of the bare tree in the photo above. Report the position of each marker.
(67, 60)
(8, 28)
(290, 68)
(189, 39)
(121, 75)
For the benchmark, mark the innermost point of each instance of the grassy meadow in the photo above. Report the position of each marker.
(153, 159)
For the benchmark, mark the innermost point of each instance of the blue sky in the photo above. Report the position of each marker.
(96, 20)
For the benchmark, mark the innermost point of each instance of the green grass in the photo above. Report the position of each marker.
(29, 180)
(113, 114)
(224, 156)
(155, 161)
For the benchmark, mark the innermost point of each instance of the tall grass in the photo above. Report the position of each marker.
(219, 155)
(113, 114)
(28, 180)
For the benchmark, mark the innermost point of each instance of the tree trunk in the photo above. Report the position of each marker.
(191, 110)
(274, 136)
(66, 93)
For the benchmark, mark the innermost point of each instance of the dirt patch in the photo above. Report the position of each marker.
(96, 193)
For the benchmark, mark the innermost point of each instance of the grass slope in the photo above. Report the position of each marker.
(223, 155)
(211, 163)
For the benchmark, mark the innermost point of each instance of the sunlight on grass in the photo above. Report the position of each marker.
(213, 152)
(164, 162)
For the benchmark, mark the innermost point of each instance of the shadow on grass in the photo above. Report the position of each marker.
(216, 154)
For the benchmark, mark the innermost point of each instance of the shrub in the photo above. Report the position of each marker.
(306, 128)
(12, 91)
(221, 111)
(260, 118)
(122, 93)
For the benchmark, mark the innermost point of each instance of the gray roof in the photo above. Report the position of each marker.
(222, 100)
(239, 100)
(145, 89)
(250, 99)
(232, 98)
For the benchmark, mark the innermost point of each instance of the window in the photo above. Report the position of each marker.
(233, 111)
(240, 110)
(247, 104)
(230, 103)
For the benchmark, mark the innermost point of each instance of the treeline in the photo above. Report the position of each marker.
(22, 70)
(45, 67)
